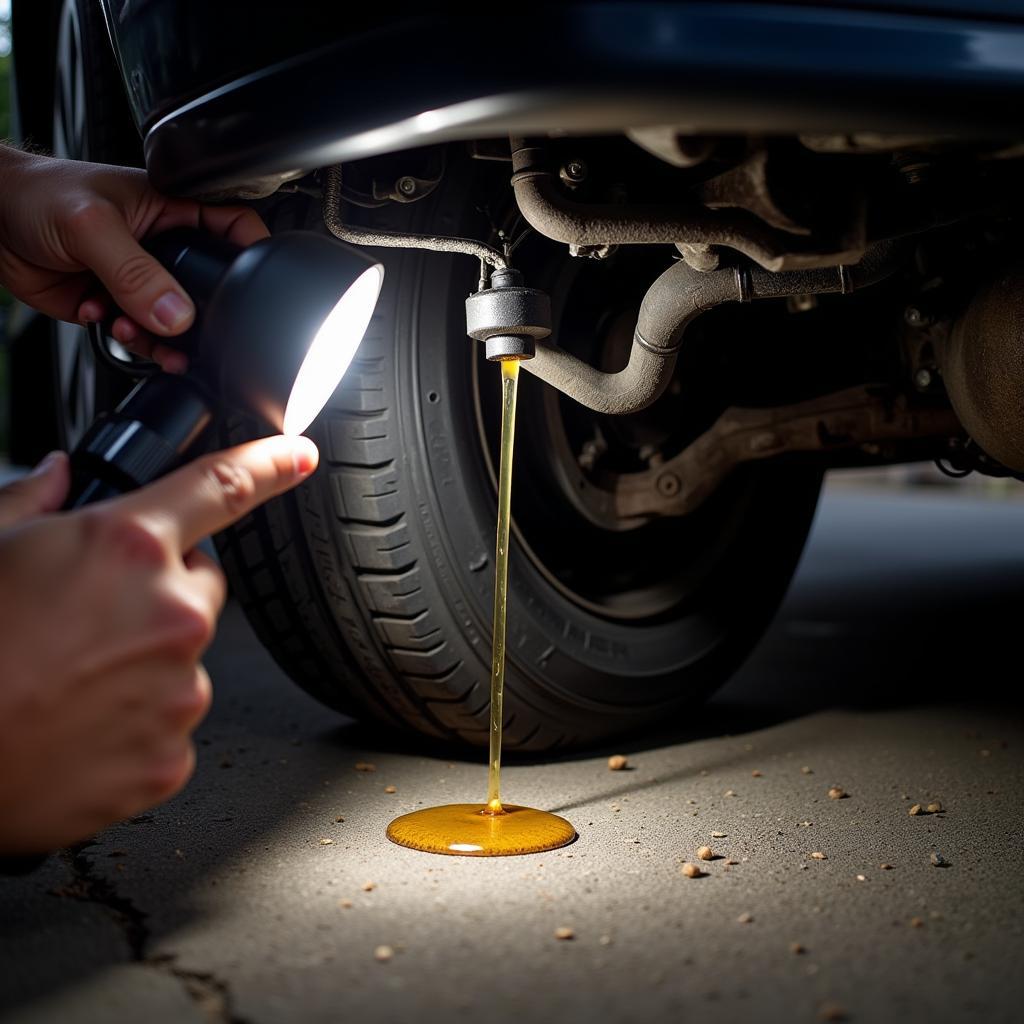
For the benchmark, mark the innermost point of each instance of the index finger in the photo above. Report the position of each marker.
(214, 491)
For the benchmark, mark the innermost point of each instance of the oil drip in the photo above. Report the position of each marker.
(492, 829)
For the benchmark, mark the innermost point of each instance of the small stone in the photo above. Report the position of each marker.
(691, 870)
(885, 867)
(797, 948)
(755, 774)
(180, 854)
(345, 904)
(730, 863)
(605, 940)
(326, 842)
(805, 824)
(390, 789)
(934, 808)
(618, 763)
(339, 819)
(564, 934)
(862, 878)
(365, 766)
(832, 1011)
(706, 853)
(915, 810)
(917, 922)
(938, 860)
(745, 918)
(837, 793)
(369, 886)
(806, 771)
(718, 835)
(818, 855)
(382, 954)
(729, 792)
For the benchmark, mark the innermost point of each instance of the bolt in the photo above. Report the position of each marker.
(914, 174)
(573, 172)
(916, 317)
(406, 185)
(669, 485)
(923, 379)
(589, 455)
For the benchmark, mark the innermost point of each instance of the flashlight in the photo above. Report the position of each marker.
(277, 325)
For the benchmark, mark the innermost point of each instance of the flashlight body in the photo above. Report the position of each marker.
(151, 433)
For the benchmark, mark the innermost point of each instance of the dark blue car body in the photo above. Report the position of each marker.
(231, 91)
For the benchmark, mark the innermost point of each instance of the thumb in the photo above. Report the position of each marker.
(43, 490)
(139, 284)
(211, 493)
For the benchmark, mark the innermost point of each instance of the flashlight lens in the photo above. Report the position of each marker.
(331, 350)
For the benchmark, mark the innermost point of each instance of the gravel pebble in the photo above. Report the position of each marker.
(706, 853)
(691, 870)
(938, 860)
(365, 766)
(745, 918)
(837, 793)
(832, 1011)
(563, 933)
(382, 954)
(818, 855)
(618, 763)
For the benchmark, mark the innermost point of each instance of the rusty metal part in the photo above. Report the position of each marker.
(668, 143)
(332, 200)
(746, 187)
(671, 304)
(982, 362)
(850, 419)
(582, 224)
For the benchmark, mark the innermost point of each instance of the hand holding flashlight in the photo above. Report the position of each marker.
(70, 245)
(107, 611)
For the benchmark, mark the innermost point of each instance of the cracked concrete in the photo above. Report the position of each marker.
(884, 674)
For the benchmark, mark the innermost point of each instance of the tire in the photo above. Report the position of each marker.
(371, 584)
(91, 121)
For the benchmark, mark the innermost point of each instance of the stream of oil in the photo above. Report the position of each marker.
(492, 829)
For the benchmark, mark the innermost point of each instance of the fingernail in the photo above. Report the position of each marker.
(171, 310)
(45, 464)
(305, 460)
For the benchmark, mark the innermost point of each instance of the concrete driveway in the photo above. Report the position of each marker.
(263, 892)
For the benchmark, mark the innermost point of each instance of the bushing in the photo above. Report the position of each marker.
(508, 317)
(509, 346)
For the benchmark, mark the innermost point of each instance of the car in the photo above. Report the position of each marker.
(777, 238)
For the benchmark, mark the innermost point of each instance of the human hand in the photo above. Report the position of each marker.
(69, 246)
(105, 613)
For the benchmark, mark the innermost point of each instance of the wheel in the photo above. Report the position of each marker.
(372, 583)
(90, 122)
